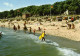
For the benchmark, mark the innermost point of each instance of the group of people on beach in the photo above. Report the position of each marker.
(25, 28)
(70, 25)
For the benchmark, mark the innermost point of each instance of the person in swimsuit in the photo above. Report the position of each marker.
(43, 37)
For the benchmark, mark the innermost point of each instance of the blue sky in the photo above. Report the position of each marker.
(15, 4)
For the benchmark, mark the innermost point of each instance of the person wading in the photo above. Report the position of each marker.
(18, 27)
(14, 27)
(25, 28)
(43, 34)
(0, 34)
(30, 30)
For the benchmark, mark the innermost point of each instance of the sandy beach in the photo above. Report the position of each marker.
(52, 28)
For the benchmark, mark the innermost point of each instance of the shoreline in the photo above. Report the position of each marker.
(57, 30)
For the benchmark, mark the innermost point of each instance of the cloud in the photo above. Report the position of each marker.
(1, 10)
(8, 4)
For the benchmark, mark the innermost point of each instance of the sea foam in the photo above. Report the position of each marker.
(62, 51)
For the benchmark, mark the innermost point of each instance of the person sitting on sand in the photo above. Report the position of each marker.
(73, 26)
(69, 26)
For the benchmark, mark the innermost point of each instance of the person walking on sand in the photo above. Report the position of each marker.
(72, 19)
(43, 34)
(24, 23)
(73, 26)
(39, 28)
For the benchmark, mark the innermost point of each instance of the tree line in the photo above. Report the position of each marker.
(58, 8)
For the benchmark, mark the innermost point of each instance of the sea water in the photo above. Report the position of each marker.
(18, 43)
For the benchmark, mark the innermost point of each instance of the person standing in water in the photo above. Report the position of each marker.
(0, 34)
(30, 30)
(14, 27)
(18, 27)
(9, 24)
(34, 31)
(25, 28)
(43, 36)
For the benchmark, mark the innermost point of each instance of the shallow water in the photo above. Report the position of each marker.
(20, 44)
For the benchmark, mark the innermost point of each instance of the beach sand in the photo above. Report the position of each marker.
(55, 30)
